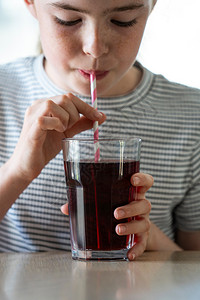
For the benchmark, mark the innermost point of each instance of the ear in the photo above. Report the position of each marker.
(153, 3)
(31, 7)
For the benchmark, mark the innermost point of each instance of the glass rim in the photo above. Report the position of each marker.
(102, 139)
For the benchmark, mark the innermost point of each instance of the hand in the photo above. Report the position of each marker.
(46, 123)
(139, 210)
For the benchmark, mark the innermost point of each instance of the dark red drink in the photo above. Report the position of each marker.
(94, 190)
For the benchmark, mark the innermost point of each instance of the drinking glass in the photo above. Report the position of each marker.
(95, 188)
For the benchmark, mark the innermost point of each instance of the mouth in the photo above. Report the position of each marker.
(99, 74)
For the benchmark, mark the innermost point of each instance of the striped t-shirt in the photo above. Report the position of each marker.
(165, 115)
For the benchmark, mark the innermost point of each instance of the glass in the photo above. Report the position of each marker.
(95, 189)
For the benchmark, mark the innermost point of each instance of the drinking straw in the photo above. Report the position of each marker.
(96, 145)
(95, 125)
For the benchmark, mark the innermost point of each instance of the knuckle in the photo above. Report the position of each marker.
(88, 109)
(68, 101)
(69, 98)
(140, 248)
(40, 121)
(28, 111)
(48, 105)
(148, 205)
(58, 100)
(143, 244)
(57, 122)
(151, 179)
(147, 179)
(62, 99)
(147, 224)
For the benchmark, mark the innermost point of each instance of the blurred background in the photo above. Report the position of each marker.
(171, 43)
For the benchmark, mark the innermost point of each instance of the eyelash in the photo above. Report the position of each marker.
(124, 24)
(67, 23)
(118, 23)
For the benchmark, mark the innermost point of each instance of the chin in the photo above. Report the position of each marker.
(103, 89)
(83, 91)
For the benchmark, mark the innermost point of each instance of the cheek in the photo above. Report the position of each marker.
(127, 49)
(129, 43)
(58, 43)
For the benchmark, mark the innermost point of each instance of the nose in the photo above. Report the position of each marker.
(95, 43)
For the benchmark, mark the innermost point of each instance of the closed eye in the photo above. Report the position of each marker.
(124, 24)
(67, 23)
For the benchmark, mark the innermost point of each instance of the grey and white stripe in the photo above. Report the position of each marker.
(165, 115)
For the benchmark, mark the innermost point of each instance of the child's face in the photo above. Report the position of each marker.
(83, 35)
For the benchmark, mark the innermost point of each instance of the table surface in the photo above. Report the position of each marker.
(55, 276)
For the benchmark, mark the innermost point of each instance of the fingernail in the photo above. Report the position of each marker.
(120, 213)
(121, 228)
(98, 114)
(63, 206)
(131, 256)
(136, 180)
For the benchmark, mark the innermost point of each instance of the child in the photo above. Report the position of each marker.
(53, 90)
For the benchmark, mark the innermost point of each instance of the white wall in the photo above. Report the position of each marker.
(171, 44)
(18, 31)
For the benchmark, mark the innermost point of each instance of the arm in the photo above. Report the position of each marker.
(46, 123)
(184, 240)
(188, 240)
(157, 240)
(187, 214)
(11, 186)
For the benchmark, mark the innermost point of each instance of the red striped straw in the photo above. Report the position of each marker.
(95, 125)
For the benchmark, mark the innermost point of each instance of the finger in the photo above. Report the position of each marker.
(49, 108)
(134, 227)
(139, 247)
(39, 128)
(65, 209)
(143, 182)
(66, 107)
(81, 106)
(67, 104)
(133, 209)
(51, 123)
(82, 125)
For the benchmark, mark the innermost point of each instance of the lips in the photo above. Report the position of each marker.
(99, 74)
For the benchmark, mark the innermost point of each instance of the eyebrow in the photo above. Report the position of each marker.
(65, 6)
(124, 8)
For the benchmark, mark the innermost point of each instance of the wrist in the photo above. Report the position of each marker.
(157, 240)
(11, 186)
(14, 175)
(150, 242)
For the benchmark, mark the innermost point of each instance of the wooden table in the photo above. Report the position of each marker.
(55, 276)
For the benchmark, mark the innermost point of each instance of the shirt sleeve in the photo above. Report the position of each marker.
(187, 213)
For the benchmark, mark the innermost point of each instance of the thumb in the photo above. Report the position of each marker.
(65, 209)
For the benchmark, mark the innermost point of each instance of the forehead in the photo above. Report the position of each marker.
(87, 5)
